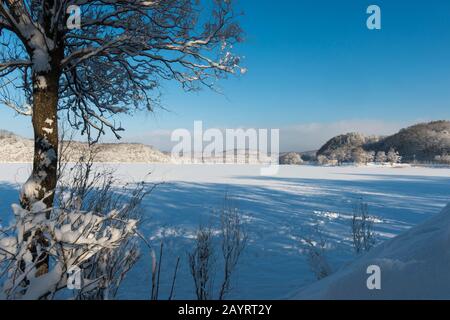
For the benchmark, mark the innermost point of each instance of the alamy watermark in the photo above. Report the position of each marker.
(228, 146)
(374, 280)
(74, 19)
(374, 20)
(74, 278)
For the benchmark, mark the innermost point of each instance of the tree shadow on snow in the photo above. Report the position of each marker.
(277, 211)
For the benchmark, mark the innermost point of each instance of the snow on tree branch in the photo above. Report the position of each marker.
(120, 56)
(72, 238)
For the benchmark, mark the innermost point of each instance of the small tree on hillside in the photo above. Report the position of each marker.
(341, 155)
(380, 157)
(322, 160)
(443, 159)
(370, 156)
(393, 156)
(360, 156)
(291, 158)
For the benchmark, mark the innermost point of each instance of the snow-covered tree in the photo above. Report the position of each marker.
(291, 158)
(444, 159)
(341, 155)
(93, 229)
(359, 155)
(393, 156)
(112, 64)
(380, 157)
(322, 160)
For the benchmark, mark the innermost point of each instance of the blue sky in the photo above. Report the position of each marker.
(314, 69)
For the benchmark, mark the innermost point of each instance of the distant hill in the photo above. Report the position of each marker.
(14, 148)
(421, 142)
(346, 142)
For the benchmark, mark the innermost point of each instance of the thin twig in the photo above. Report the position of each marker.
(174, 279)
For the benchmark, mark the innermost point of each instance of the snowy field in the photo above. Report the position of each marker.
(277, 211)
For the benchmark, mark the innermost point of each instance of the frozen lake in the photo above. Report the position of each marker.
(277, 210)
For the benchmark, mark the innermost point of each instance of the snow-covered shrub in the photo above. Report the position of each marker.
(203, 260)
(393, 156)
(91, 228)
(362, 228)
(444, 159)
(341, 155)
(325, 161)
(234, 240)
(314, 247)
(370, 156)
(322, 160)
(361, 156)
(291, 158)
(68, 239)
(380, 157)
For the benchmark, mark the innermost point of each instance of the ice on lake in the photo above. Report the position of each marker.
(277, 210)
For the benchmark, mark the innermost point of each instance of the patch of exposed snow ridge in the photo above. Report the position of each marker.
(414, 265)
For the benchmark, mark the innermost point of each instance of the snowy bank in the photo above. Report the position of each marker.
(414, 265)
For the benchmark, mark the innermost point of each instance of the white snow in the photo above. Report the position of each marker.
(414, 265)
(75, 235)
(278, 210)
(41, 82)
(30, 188)
(41, 60)
(47, 130)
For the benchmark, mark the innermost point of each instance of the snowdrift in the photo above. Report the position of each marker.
(414, 265)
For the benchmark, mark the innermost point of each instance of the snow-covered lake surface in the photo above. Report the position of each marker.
(277, 210)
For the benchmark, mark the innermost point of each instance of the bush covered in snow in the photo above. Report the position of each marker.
(291, 158)
(203, 261)
(380, 157)
(92, 228)
(361, 156)
(363, 235)
(444, 159)
(314, 247)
